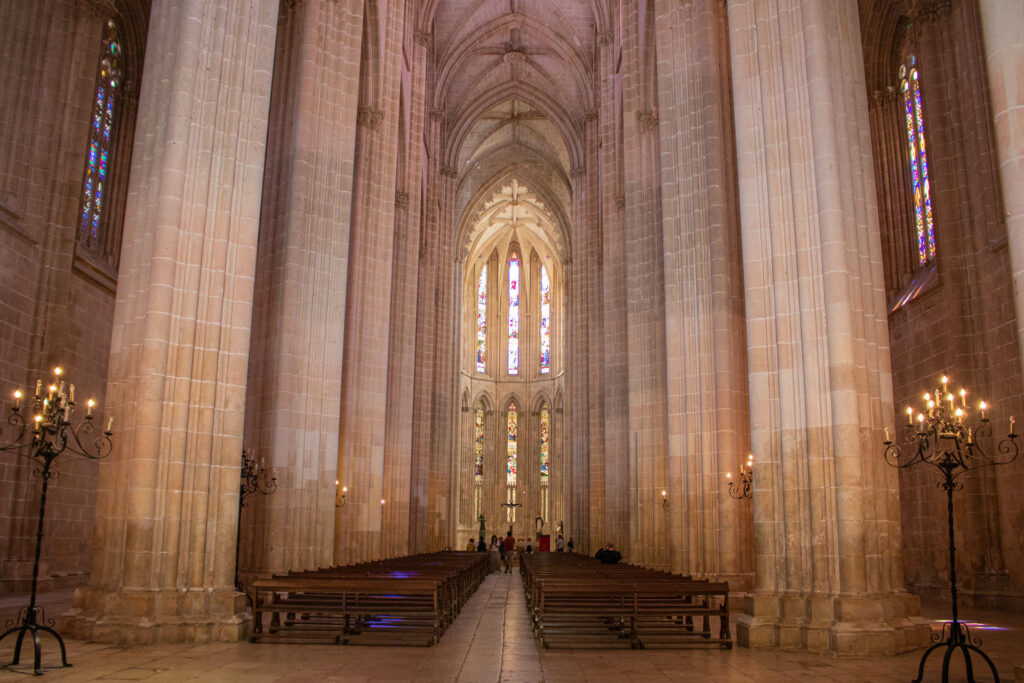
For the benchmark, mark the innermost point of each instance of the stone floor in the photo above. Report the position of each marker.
(491, 641)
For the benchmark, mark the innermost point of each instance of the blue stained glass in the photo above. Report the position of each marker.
(108, 78)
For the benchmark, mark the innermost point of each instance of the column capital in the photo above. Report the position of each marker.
(369, 117)
(422, 38)
(648, 119)
(449, 171)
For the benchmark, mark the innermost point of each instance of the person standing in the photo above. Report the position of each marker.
(510, 548)
(559, 544)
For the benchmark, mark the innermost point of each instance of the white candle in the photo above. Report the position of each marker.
(886, 435)
(110, 423)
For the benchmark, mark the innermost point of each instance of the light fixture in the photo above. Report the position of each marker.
(664, 500)
(942, 438)
(746, 485)
(340, 494)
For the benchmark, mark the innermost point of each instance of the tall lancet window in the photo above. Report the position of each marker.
(478, 462)
(512, 462)
(481, 321)
(545, 460)
(97, 170)
(513, 315)
(914, 123)
(545, 321)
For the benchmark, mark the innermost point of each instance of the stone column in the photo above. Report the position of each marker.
(167, 503)
(644, 299)
(368, 307)
(826, 517)
(610, 441)
(1001, 22)
(405, 278)
(707, 398)
(301, 284)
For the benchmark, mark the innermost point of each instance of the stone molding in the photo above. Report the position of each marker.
(422, 38)
(401, 200)
(930, 11)
(95, 9)
(590, 116)
(605, 39)
(449, 172)
(369, 117)
(620, 202)
(435, 114)
(513, 57)
(648, 119)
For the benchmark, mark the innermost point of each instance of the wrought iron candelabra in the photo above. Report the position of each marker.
(746, 486)
(254, 480)
(941, 438)
(42, 439)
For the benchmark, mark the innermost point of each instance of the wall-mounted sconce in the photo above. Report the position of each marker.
(339, 494)
(746, 486)
(381, 501)
(664, 500)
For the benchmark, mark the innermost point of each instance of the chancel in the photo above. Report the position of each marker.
(445, 269)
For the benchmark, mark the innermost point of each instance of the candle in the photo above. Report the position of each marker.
(910, 416)
(39, 387)
(963, 398)
(17, 398)
(110, 423)
(886, 435)
(71, 395)
(970, 436)
(983, 407)
(57, 370)
(1011, 424)
(728, 475)
(945, 380)
(88, 407)
(381, 501)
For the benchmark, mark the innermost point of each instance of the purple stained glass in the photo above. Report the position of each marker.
(481, 321)
(545, 443)
(478, 445)
(921, 188)
(545, 321)
(513, 451)
(513, 315)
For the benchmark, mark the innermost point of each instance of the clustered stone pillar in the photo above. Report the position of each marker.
(706, 354)
(293, 414)
(826, 515)
(368, 316)
(167, 502)
(1001, 22)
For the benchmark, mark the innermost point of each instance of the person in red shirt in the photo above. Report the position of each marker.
(510, 548)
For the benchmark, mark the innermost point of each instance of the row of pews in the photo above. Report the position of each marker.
(403, 601)
(575, 601)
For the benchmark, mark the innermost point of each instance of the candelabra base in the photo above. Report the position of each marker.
(32, 620)
(955, 635)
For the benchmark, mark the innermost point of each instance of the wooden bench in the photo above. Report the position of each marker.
(580, 603)
(408, 601)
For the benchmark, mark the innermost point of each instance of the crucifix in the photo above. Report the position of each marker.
(511, 505)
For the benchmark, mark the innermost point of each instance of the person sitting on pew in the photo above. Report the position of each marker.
(471, 546)
(608, 554)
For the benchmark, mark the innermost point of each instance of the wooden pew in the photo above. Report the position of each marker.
(579, 602)
(407, 601)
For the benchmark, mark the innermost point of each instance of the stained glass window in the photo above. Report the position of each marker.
(97, 171)
(513, 429)
(914, 124)
(513, 315)
(545, 321)
(481, 321)
(545, 444)
(478, 447)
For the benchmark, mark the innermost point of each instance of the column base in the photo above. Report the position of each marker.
(850, 626)
(135, 617)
